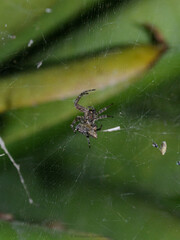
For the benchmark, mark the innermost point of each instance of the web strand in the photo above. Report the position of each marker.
(2, 144)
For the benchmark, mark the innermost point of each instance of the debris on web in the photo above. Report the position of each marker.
(162, 148)
(112, 129)
(39, 64)
(30, 43)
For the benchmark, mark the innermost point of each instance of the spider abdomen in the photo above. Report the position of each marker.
(87, 129)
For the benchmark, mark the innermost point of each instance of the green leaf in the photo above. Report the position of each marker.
(31, 21)
(120, 26)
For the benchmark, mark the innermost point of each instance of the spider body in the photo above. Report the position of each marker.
(87, 123)
(87, 129)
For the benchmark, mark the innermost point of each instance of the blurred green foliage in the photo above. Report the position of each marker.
(121, 188)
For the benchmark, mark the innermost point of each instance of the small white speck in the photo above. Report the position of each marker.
(30, 43)
(39, 64)
(12, 36)
(2, 38)
(48, 10)
(31, 201)
(5, 25)
(112, 129)
(1, 155)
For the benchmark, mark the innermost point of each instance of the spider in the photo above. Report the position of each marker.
(87, 123)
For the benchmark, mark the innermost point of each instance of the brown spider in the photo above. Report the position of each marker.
(87, 125)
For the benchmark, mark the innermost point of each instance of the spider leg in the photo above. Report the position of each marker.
(104, 109)
(79, 107)
(103, 116)
(78, 118)
(98, 129)
(88, 141)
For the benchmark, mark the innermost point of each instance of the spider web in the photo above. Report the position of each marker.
(119, 186)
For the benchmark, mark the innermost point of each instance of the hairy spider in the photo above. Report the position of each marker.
(87, 125)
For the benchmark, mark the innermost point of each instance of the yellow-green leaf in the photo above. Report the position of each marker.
(67, 80)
